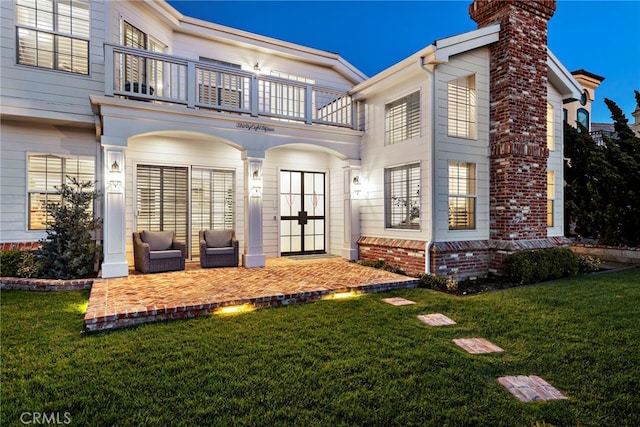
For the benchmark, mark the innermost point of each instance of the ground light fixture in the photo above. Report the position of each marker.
(234, 309)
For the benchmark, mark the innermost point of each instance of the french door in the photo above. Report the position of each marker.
(302, 212)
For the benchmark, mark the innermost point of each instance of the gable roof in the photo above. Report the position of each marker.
(442, 49)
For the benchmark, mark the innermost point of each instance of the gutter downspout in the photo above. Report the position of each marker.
(430, 67)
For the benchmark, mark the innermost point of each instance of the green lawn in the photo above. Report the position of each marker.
(342, 362)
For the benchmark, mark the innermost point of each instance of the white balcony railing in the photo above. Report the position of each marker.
(148, 76)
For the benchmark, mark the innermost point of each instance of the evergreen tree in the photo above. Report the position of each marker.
(602, 183)
(69, 251)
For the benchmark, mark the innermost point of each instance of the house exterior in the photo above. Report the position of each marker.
(189, 125)
(579, 110)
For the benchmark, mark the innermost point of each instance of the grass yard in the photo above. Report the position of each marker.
(354, 362)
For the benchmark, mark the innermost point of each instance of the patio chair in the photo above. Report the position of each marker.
(157, 251)
(218, 248)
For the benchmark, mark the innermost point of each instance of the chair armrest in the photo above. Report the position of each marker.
(180, 246)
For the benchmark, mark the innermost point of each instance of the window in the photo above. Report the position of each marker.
(46, 172)
(551, 143)
(162, 199)
(142, 74)
(461, 104)
(402, 119)
(402, 196)
(551, 195)
(212, 193)
(583, 118)
(462, 195)
(54, 34)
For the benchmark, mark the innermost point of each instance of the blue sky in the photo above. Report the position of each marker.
(602, 37)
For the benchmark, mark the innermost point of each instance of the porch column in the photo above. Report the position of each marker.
(113, 184)
(352, 193)
(253, 255)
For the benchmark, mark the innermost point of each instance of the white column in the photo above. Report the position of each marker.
(353, 191)
(253, 255)
(114, 243)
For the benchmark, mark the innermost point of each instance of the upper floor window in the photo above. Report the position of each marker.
(551, 195)
(462, 195)
(551, 143)
(461, 104)
(402, 196)
(46, 172)
(54, 34)
(402, 119)
(583, 117)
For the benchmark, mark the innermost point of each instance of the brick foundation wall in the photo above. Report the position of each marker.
(461, 260)
(609, 253)
(409, 255)
(22, 246)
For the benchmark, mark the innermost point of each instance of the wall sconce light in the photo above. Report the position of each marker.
(256, 67)
(356, 186)
(114, 171)
(255, 182)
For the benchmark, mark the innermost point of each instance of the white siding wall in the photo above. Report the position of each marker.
(39, 92)
(140, 16)
(190, 47)
(159, 150)
(450, 148)
(376, 157)
(556, 162)
(19, 140)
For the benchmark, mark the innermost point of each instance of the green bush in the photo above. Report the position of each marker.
(383, 265)
(438, 283)
(541, 265)
(588, 264)
(17, 263)
(10, 262)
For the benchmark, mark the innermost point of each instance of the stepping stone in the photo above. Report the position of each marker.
(436, 319)
(531, 388)
(397, 301)
(477, 345)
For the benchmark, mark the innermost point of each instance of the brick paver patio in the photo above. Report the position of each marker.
(141, 298)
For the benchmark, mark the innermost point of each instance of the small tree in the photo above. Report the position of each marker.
(69, 250)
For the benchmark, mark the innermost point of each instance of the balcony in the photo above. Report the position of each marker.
(148, 76)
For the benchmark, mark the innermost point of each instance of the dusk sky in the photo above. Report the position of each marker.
(602, 37)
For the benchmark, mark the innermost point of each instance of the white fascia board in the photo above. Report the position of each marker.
(230, 35)
(460, 43)
(561, 78)
(394, 73)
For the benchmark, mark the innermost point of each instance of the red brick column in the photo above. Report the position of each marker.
(518, 130)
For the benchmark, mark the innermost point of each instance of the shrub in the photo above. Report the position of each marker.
(18, 263)
(438, 283)
(588, 264)
(69, 251)
(10, 262)
(540, 265)
(383, 265)
(30, 265)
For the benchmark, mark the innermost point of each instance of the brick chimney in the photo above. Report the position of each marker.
(518, 144)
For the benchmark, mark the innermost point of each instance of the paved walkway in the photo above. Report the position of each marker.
(141, 298)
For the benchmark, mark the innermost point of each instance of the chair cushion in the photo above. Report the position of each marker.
(158, 240)
(173, 253)
(221, 251)
(218, 238)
